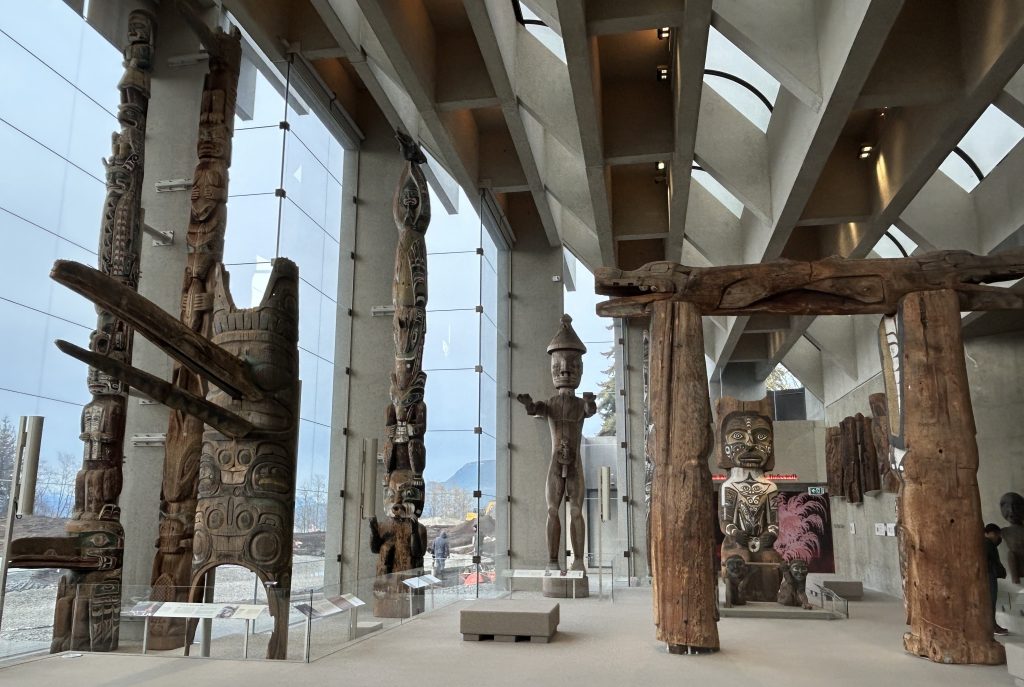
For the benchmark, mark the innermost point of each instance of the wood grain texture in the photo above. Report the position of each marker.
(948, 603)
(682, 506)
(832, 286)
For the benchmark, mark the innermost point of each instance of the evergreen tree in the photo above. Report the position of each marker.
(606, 397)
(8, 440)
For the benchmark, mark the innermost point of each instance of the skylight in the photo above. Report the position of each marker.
(725, 57)
(887, 245)
(987, 143)
(545, 34)
(731, 202)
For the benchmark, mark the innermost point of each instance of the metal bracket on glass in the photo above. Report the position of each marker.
(169, 185)
(160, 238)
(477, 494)
(382, 310)
(476, 559)
(153, 440)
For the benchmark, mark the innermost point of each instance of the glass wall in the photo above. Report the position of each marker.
(58, 100)
(463, 357)
(303, 223)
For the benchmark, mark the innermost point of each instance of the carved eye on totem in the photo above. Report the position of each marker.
(244, 457)
(761, 435)
(410, 494)
(224, 457)
(738, 436)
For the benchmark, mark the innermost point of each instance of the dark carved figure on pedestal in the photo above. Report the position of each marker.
(400, 540)
(735, 571)
(1011, 505)
(88, 606)
(565, 412)
(793, 589)
(748, 511)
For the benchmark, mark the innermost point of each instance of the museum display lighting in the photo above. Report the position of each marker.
(664, 32)
(661, 165)
(662, 72)
(865, 151)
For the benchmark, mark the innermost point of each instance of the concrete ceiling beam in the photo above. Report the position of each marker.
(488, 20)
(784, 41)
(615, 16)
(804, 361)
(942, 217)
(735, 152)
(689, 54)
(583, 62)
(1011, 99)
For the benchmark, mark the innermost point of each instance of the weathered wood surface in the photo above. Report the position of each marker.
(188, 347)
(949, 607)
(207, 227)
(87, 611)
(160, 391)
(682, 509)
(888, 478)
(832, 286)
(834, 460)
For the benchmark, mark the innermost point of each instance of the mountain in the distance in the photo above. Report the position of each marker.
(465, 477)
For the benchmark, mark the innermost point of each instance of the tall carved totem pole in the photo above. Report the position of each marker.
(88, 606)
(207, 226)
(400, 540)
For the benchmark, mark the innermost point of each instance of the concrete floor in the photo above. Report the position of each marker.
(598, 643)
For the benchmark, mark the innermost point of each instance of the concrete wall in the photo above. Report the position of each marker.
(995, 368)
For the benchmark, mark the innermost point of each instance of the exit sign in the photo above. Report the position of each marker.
(816, 491)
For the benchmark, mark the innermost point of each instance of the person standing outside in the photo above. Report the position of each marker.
(995, 569)
(441, 552)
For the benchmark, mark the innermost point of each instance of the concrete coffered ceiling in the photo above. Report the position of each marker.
(580, 130)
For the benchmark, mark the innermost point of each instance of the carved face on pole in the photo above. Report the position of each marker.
(404, 494)
(798, 569)
(1011, 505)
(747, 440)
(566, 351)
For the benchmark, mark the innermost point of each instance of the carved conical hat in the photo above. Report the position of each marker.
(566, 338)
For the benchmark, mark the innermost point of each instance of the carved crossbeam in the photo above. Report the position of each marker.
(224, 421)
(165, 331)
(833, 286)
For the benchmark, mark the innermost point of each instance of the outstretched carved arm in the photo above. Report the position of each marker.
(535, 408)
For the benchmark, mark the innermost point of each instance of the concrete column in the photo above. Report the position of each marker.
(170, 154)
(537, 303)
(364, 345)
(629, 464)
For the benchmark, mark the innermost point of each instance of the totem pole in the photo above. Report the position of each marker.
(400, 540)
(748, 510)
(87, 613)
(207, 226)
(565, 412)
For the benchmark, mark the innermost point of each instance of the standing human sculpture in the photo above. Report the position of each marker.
(748, 512)
(1011, 505)
(565, 412)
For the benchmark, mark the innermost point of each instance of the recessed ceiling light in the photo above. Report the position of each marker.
(865, 150)
(662, 72)
(664, 32)
(661, 165)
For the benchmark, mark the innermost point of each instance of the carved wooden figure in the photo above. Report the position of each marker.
(793, 588)
(943, 564)
(834, 460)
(87, 612)
(1011, 507)
(400, 540)
(748, 506)
(565, 413)
(207, 227)
(735, 571)
(889, 479)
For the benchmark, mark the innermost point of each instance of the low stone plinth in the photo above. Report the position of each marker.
(530, 619)
(851, 590)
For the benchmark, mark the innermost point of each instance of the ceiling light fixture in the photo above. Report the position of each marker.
(865, 150)
(661, 165)
(664, 32)
(662, 72)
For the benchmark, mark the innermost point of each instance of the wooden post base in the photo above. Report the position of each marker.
(940, 506)
(682, 503)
